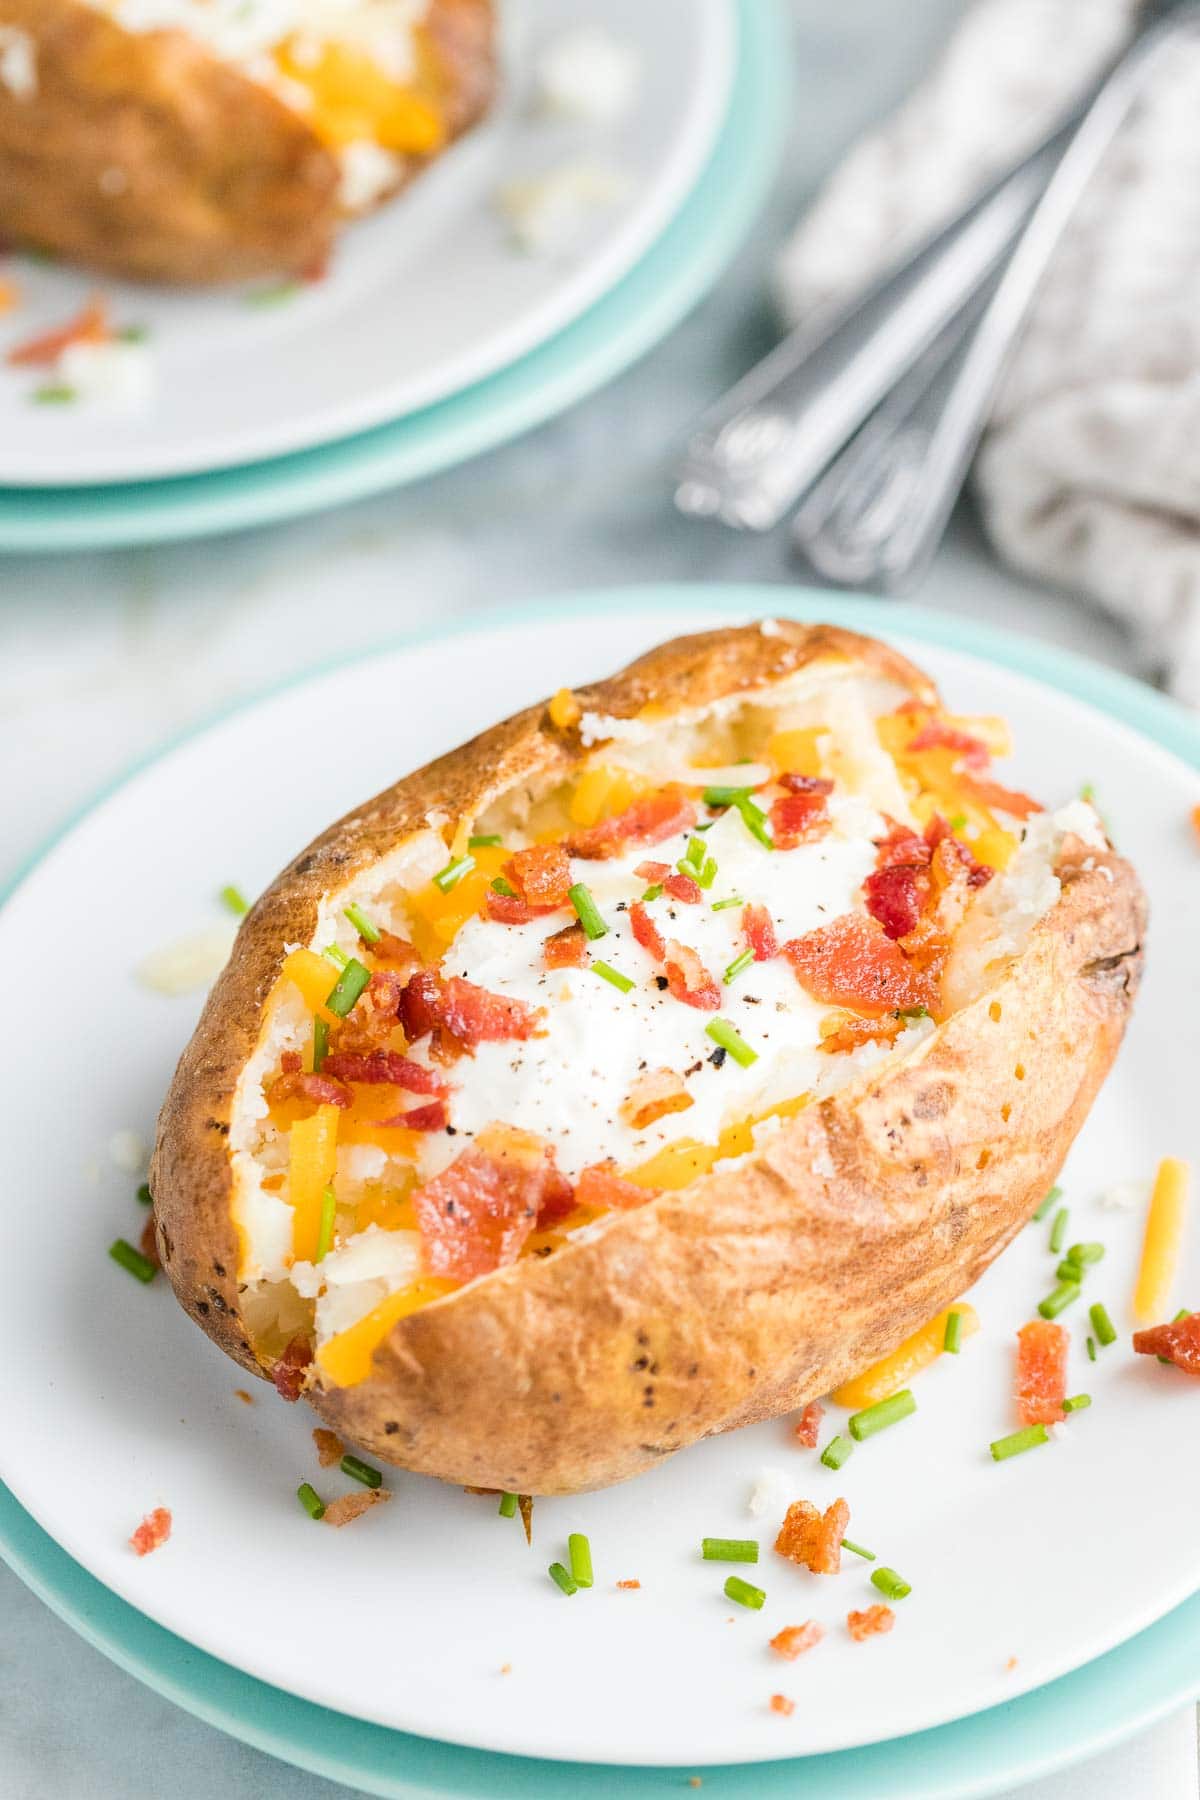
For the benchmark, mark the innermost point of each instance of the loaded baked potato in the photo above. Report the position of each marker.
(650, 1065)
(202, 141)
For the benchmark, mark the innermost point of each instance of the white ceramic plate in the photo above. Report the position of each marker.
(115, 1403)
(423, 299)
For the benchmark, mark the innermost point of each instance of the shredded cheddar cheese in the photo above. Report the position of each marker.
(914, 1354)
(1163, 1240)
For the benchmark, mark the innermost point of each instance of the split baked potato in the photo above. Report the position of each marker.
(198, 141)
(650, 1065)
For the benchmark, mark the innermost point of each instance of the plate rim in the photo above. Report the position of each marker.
(675, 271)
(1115, 1686)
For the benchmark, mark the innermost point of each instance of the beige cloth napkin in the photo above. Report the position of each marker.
(1090, 472)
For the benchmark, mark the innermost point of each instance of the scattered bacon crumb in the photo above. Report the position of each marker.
(852, 962)
(794, 1640)
(152, 1533)
(322, 1090)
(648, 821)
(470, 1014)
(1041, 1372)
(348, 1507)
(1178, 1342)
(629, 1585)
(525, 1505)
(682, 887)
(808, 1425)
(148, 1243)
(759, 930)
(1010, 1665)
(688, 978)
(1001, 799)
(241, 1394)
(646, 932)
(510, 909)
(330, 1448)
(401, 957)
(291, 1368)
(651, 872)
(384, 1066)
(802, 815)
(291, 1062)
(812, 1538)
(431, 1117)
(541, 874)
(934, 735)
(654, 1095)
(374, 1015)
(90, 326)
(850, 1032)
(871, 1623)
(781, 1704)
(600, 1185)
(476, 1214)
(566, 949)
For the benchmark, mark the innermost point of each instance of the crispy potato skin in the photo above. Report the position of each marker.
(759, 1287)
(217, 180)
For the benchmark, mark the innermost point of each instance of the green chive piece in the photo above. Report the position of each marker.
(325, 1234)
(1019, 1441)
(726, 796)
(355, 1467)
(1077, 1403)
(563, 1579)
(958, 822)
(953, 1338)
(613, 976)
(1091, 1349)
(1102, 1325)
(653, 891)
(54, 393)
(914, 1012)
(1069, 1270)
(857, 1550)
(370, 934)
(743, 1593)
(452, 874)
(580, 1553)
(133, 334)
(836, 1452)
(706, 874)
(755, 820)
(310, 1500)
(335, 955)
(508, 1506)
(320, 1042)
(723, 1033)
(737, 965)
(1059, 1300)
(1054, 1195)
(743, 1550)
(884, 1413)
(278, 294)
(733, 900)
(586, 911)
(1086, 1254)
(484, 840)
(888, 1582)
(235, 900)
(1058, 1230)
(500, 886)
(145, 1197)
(353, 979)
(131, 1259)
(693, 858)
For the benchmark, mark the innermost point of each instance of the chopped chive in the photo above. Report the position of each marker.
(563, 1579)
(1059, 1300)
(1102, 1325)
(693, 857)
(350, 984)
(1018, 1441)
(580, 1553)
(1077, 1402)
(725, 796)
(737, 965)
(914, 1012)
(707, 873)
(755, 820)
(360, 1471)
(1091, 1349)
(888, 1582)
(1069, 1270)
(278, 294)
(54, 393)
(743, 1593)
(743, 1550)
(857, 1550)
(484, 840)
(613, 976)
(325, 1234)
(320, 1042)
(131, 1259)
(836, 1452)
(723, 1033)
(452, 874)
(1058, 1230)
(733, 900)
(1086, 1254)
(653, 891)
(952, 1341)
(500, 886)
(145, 1197)
(369, 933)
(884, 1413)
(336, 955)
(1054, 1195)
(958, 822)
(235, 900)
(508, 1506)
(310, 1500)
(586, 911)
(133, 334)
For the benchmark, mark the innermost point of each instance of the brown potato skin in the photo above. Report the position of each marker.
(223, 182)
(755, 1289)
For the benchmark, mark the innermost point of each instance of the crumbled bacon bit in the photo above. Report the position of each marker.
(646, 932)
(468, 1013)
(348, 1507)
(243, 1396)
(794, 1640)
(781, 1704)
(683, 888)
(900, 845)
(291, 1062)
(688, 979)
(510, 909)
(654, 1095)
(148, 1243)
(800, 818)
(850, 1032)
(648, 821)
(1010, 1665)
(386, 1066)
(330, 1448)
(374, 1015)
(322, 1090)
(601, 1186)
(89, 326)
(566, 949)
(152, 1533)
(999, 799)
(430, 1117)
(541, 874)
(651, 872)
(401, 957)
(896, 895)
(938, 832)
(812, 1538)
(1041, 1372)
(805, 784)
(629, 1585)
(291, 1368)
(934, 735)
(852, 962)
(871, 1623)
(808, 1425)
(475, 1216)
(1179, 1342)
(759, 930)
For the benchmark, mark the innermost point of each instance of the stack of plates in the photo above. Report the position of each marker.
(434, 336)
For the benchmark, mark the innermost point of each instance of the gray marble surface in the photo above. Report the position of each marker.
(103, 658)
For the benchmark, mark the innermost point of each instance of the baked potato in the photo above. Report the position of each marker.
(650, 1065)
(200, 141)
